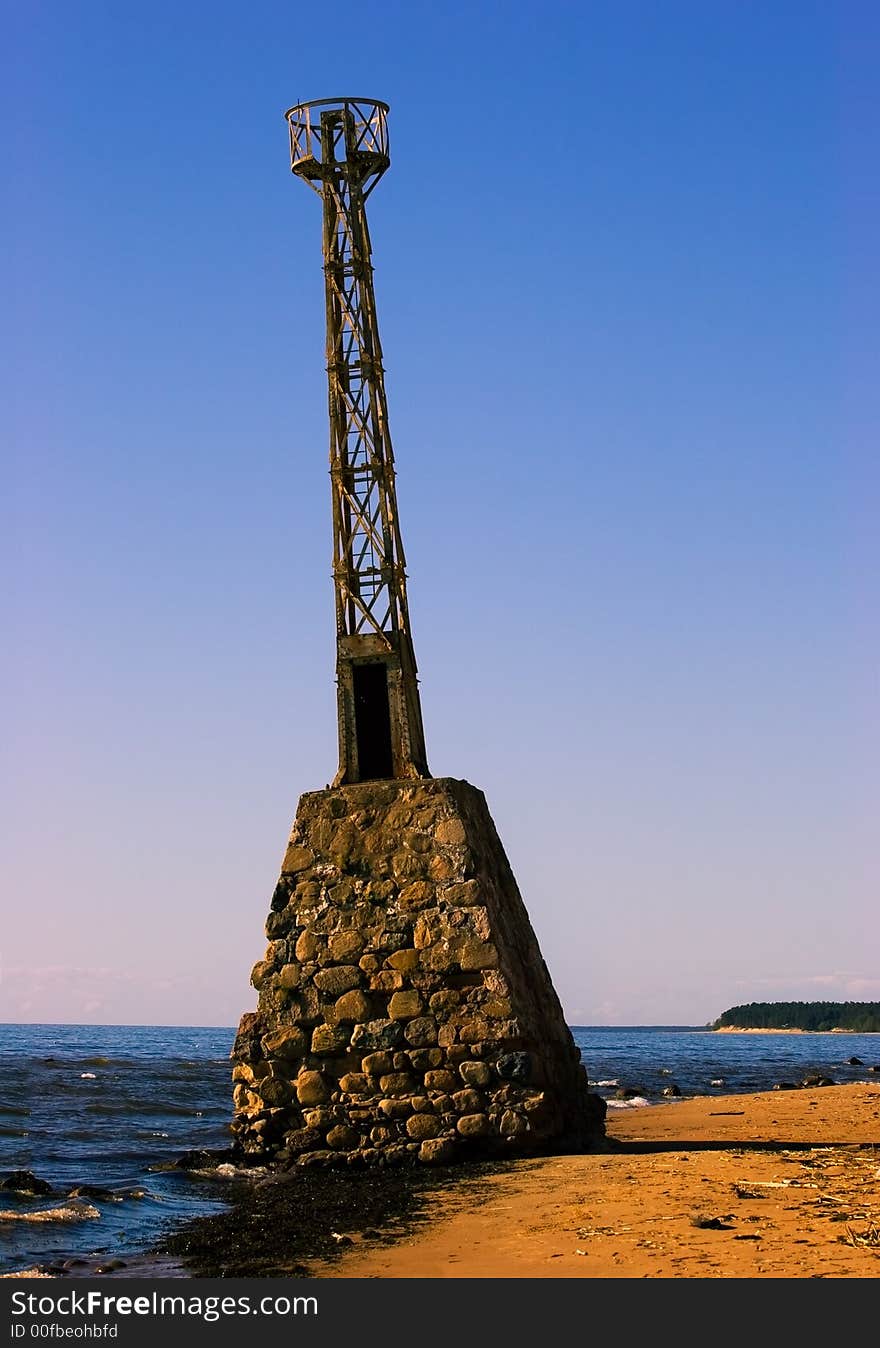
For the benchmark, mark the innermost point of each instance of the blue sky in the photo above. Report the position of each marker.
(626, 273)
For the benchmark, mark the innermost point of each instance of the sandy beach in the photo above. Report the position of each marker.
(780, 1185)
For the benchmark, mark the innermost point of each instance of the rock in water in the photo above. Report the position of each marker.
(405, 1011)
(95, 1191)
(25, 1182)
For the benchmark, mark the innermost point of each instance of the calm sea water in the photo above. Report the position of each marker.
(110, 1105)
(699, 1062)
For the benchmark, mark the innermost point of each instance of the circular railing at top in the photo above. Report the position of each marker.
(351, 131)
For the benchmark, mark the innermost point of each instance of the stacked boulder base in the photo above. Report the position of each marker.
(405, 1011)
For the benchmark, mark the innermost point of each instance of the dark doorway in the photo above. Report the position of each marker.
(372, 722)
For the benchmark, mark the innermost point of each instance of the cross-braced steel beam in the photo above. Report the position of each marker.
(340, 147)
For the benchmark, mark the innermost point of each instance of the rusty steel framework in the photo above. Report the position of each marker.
(339, 146)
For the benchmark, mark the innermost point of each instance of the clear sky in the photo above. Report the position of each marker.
(626, 271)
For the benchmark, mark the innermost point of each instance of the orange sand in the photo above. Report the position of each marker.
(791, 1178)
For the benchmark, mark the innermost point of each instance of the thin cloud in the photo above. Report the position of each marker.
(845, 986)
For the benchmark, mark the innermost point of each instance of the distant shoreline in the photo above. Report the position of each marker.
(767, 1029)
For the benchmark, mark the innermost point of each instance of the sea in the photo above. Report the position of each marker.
(112, 1106)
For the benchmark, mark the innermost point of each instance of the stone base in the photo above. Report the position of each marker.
(404, 1008)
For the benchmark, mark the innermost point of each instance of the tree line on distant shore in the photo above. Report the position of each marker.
(858, 1017)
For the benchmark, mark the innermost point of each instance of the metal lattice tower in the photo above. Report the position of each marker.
(339, 146)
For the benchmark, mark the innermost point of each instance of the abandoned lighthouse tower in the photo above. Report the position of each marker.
(404, 1010)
